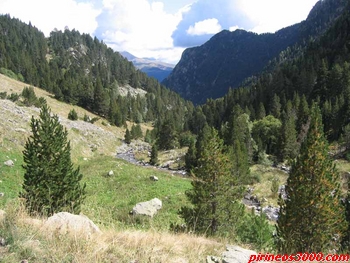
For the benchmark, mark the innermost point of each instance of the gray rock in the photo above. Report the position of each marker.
(9, 163)
(2, 242)
(282, 192)
(271, 212)
(149, 208)
(68, 223)
(236, 254)
(154, 178)
(250, 200)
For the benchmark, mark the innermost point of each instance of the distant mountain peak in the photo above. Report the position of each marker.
(151, 66)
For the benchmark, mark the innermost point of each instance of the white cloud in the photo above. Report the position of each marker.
(272, 15)
(49, 14)
(204, 27)
(145, 29)
(233, 28)
(137, 26)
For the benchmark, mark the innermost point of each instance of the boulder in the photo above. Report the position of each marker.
(236, 254)
(9, 163)
(64, 222)
(149, 208)
(154, 178)
(2, 242)
(282, 192)
(271, 212)
(251, 200)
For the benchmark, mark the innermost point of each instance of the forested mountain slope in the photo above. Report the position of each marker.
(82, 70)
(228, 58)
(320, 72)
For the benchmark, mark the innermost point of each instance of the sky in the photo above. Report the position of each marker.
(159, 29)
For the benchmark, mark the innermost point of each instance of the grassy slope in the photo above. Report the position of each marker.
(108, 202)
(109, 199)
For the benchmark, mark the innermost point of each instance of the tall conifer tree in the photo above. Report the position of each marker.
(289, 145)
(312, 218)
(51, 184)
(215, 194)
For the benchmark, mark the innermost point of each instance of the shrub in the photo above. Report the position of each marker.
(29, 96)
(3, 95)
(13, 97)
(73, 115)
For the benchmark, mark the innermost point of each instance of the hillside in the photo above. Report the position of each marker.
(109, 199)
(228, 58)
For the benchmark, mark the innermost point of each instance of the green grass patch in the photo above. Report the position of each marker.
(267, 175)
(111, 198)
(11, 177)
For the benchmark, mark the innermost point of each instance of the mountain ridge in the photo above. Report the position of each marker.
(228, 58)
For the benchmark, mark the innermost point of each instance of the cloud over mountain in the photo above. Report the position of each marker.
(206, 18)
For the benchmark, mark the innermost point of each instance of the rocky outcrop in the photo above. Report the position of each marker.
(149, 208)
(64, 222)
(9, 163)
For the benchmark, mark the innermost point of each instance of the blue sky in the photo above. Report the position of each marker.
(161, 29)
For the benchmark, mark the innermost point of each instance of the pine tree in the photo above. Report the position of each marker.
(191, 157)
(275, 107)
(312, 218)
(154, 155)
(214, 195)
(51, 184)
(261, 112)
(167, 136)
(240, 162)
(136, 132)
(127, 137)
(289, 145)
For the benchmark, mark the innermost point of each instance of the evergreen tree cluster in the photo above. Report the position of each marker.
(83, 71)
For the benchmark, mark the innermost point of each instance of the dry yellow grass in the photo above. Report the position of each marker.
(33, 242)
(86, 138)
